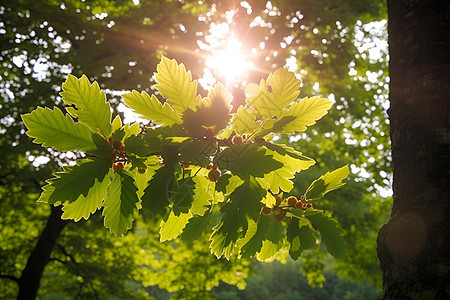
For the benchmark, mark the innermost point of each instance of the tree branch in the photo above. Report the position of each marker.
(10, 277)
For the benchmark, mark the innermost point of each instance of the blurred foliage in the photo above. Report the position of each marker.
(119, 44)
(284, 281)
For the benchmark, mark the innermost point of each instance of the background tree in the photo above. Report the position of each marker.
(118, 44)
(413, 245)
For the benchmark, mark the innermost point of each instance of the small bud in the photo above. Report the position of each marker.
(237, 140)
(118, 166)
(185, 165)
(308, 205)
(291, 201)
(141, 171)
(211, 166)
(299, 204)
(266, 210)
(214, 175)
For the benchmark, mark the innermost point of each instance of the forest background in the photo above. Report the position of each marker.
(338, 48)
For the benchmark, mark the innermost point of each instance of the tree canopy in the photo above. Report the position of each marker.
(120, 44)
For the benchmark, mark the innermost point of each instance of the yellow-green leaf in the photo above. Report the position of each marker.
(176, 85)
(151, 108)
(174, 225)
(52, 128)
(84, 206)
(326, 183)
(285, 87)
(121, 203)
(90, 101)
(302, 114)
(244, 120)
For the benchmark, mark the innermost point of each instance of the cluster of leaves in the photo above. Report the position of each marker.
(197, 157)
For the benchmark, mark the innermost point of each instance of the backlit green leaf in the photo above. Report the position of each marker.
(245, 202)
(176, 85)
(197, 152)
(181, 195)
(302, 114)
(254, 244)
(204, 194)
(195, 227)
(326, 183)
(151, 108)
(293, 237)
(285, 87)
(244, 120)
(330, 232)
(90, 102)
(246, 160)
(83, 207)
(77, 180)
(173, 227)
(52, 128)
(135, 145)
(281, 179)
(156, 195)
(121, 204)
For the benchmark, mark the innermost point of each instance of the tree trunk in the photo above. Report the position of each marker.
(40, 256)
(413, 247)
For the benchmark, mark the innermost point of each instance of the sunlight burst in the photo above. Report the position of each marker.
(229, 62)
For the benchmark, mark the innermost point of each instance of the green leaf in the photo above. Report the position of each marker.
(156, 195)
(83, 207)
(284, 89)
(103, 147)
(293, 237)
(202, 195)
(246, 160)
(267, 232)
(302, 114)
(90, 102)
(52, 128)
(136, 162)
(151, 108)
(273, 241)
(76, 181)
(254, 244)
(197, 152)
(285, 86)
(181, 194)
(121, 204)
(176, 85)
(326, 183)
(131, 129)
(135, 145)
(116, 124)
(244, 120)
(260, 99)
(281, 179)
(228, 183)
(195, 227)
(307, 239)
(330, 232)
(174, 225)
(245, 202)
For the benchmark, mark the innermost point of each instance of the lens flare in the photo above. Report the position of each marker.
(229, 62)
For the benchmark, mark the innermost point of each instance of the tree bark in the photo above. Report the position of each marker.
(413, 247)
(40, 256)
